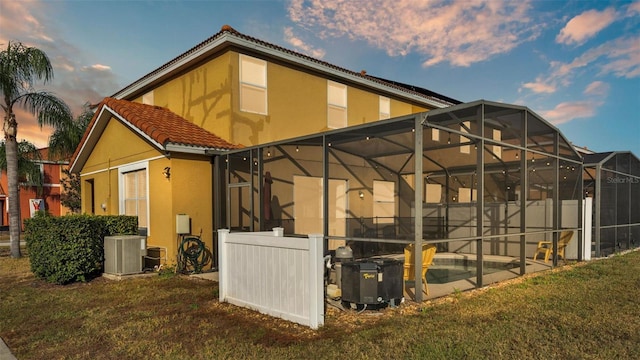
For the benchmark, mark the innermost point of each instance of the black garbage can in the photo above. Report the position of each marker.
(372, 281)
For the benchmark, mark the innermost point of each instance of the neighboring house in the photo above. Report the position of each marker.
(33, 199)
(150, 148)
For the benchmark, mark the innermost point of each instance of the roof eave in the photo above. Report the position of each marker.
(98, 127)
(89, 142)
(227, 39)
(186, 149)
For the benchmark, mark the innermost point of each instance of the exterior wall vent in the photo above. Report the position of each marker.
(123, 254)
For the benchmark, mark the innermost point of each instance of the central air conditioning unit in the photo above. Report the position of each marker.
(123, 254)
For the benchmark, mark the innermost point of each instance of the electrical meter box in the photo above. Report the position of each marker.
(182, 224)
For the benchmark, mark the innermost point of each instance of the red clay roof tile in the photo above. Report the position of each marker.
(164, 126)
(160, 125)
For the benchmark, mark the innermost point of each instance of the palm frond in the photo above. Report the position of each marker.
(49, 109)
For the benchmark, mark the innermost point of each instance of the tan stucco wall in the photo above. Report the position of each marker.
(191, 192)
(188, 190)
(208, 95)
(203, 94)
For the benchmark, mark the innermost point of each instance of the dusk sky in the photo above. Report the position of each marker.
(575, 63)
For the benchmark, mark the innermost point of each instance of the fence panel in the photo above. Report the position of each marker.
(276, 275)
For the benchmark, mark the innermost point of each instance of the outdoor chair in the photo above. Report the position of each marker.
(428, 253)
(546, 247)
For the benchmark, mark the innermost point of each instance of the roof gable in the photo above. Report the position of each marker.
(229, 37)
(162, 128)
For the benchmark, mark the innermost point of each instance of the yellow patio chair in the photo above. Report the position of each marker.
(428, 252)
(546, 247)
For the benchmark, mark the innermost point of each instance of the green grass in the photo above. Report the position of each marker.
(587, 311)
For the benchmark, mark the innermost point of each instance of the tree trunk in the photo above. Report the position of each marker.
(11, 145)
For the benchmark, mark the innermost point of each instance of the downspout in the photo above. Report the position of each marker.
(216, 214)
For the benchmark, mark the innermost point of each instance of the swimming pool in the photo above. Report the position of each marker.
(449, 268)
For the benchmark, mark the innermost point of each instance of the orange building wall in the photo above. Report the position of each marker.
(50, 192)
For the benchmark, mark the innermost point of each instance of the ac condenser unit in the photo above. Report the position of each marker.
(123, 254)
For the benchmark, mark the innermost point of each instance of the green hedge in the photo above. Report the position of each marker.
(70, 248)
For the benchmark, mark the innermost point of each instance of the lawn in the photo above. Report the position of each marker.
(580, 311)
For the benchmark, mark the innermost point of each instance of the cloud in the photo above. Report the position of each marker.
(619, 57)
(567, 111)
(19, 17)
(460, 32)
(539, 86)
(597, 88)
(75, 81)
(301, 45)
(633, 9)
(98, 67)
(586, 25)
(596, 92)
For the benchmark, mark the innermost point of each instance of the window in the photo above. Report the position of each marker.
(435, 134)
(253, 85)
(465, 149)
(134, 193)
(336, 105)
(385, 108)
(497, 149)
(148, 98)
(384, 205)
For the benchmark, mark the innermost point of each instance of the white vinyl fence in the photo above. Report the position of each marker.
(276, 275)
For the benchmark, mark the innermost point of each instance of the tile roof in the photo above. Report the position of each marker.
(165, 127)
(159, 124)
(226, 29)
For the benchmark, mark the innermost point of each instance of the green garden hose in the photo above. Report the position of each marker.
(192, 251)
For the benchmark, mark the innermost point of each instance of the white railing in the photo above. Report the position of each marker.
(276, 275)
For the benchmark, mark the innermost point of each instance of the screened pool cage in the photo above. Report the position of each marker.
(612, 179)
(480, 179)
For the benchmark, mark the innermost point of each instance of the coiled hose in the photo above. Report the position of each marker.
(192, 253)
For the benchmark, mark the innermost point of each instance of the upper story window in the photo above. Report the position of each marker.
(148, 99)
(336, 105)
(385, 107)
(253, 85)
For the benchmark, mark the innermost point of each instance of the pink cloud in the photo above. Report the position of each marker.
(597, 88)
(539, 87)
(301, 45)
(567, 111)
(586, 25)
(460, 32)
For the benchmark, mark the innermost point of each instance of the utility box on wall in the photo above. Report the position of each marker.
(182, 224)
(123, 254)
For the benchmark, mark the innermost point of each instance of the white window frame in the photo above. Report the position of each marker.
(336, 104)
(254, 84)
(384, 106)
(144, 165)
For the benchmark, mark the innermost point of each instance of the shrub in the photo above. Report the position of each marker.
(70, 248)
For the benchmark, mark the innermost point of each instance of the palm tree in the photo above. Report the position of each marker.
(20, 67)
